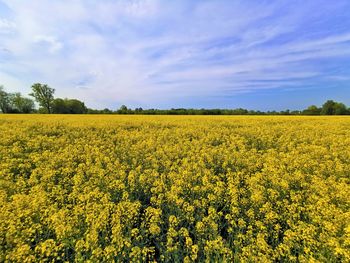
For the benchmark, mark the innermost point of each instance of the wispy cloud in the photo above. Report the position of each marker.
(148, 52)
(6, 26)
(53, 44)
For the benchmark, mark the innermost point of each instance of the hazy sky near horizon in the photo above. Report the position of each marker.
(256, 54)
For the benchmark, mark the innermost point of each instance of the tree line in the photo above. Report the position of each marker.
(330, 107)
(44, 96)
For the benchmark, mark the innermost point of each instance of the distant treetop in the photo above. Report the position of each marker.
(44, 95)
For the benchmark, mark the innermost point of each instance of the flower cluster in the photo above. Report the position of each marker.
(174, 188)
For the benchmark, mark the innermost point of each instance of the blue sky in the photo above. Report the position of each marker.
(256, 54)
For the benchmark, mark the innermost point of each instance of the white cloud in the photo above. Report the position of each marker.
(6, 26)
(53, 43)
(141, 51)
(12, 84)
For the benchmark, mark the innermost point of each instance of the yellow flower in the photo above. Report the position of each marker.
(178, 188)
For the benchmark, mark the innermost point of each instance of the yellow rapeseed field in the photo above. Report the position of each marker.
(174, 188)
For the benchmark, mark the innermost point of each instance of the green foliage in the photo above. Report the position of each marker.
(68, 106)
(76, 106)
(43, 94)
(340, 109)
(15, 102)
(312, 110)
(5, 106)
(59, 106)
(331, 107)
(22, 104)
(124, 110)
(328, 108)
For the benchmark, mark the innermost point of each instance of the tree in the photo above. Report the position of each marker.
(43, 94)
(340, 109)
(331, 107)
(138, 110)
(5, 101)
(68, 106)
(123, 110)
(15, 102)
(59, 106)
(5, 106)
(106, 111)
(76, 106)
(312, 110)
(21, 104)
(328, 108)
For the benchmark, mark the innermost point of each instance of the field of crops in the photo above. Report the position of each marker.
(174, 188)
